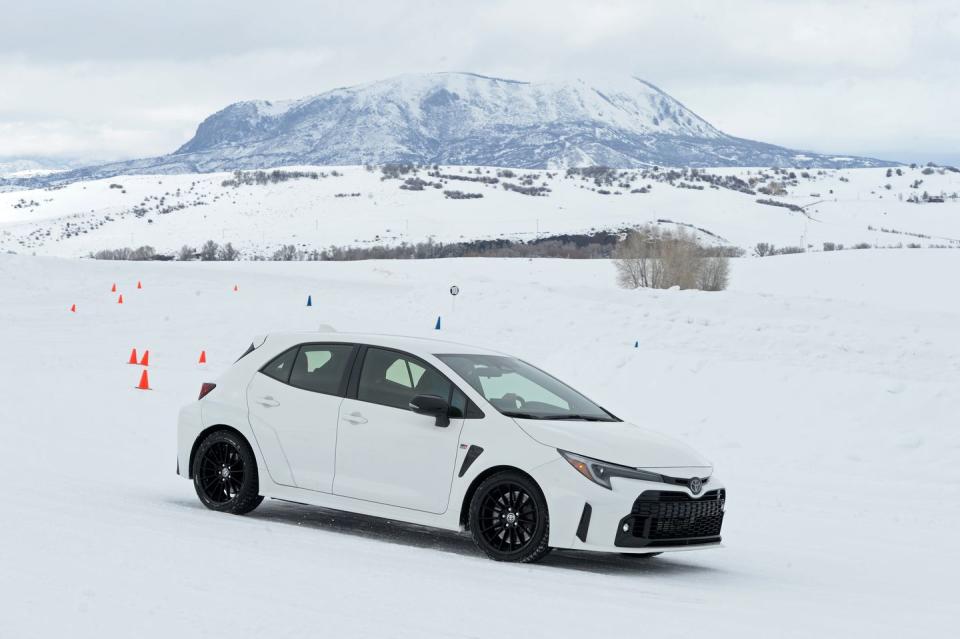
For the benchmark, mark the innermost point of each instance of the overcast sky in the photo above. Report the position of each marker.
(124, 78)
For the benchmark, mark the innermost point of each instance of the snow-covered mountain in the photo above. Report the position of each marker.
(468, 119)
(20, 167)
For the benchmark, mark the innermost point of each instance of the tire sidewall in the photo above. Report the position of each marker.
(250, 486)
(537, 546)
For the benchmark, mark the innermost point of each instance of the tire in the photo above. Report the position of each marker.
(645, 555)
(523, 538)
(225, 474)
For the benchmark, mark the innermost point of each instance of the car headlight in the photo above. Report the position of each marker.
(600, 472)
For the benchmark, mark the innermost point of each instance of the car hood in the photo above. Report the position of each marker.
(615, 442)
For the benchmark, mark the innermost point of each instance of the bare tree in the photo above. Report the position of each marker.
(680, 257)
(143, 253)
(186, 253)
(634, 258)
(286, 253)
(227, 253)
(208, 252)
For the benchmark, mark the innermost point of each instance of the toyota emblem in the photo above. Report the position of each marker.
(696, 485)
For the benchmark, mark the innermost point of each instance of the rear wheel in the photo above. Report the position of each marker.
(225, 474)
(509, 519)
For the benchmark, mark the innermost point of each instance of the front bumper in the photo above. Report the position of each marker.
(667, 518)
(635, 517)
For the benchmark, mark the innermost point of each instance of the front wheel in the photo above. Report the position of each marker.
(509, 519)
(225, 474)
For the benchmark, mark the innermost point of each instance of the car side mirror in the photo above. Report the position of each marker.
(432, 405)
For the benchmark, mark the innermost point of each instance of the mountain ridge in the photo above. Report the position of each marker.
(463, 118)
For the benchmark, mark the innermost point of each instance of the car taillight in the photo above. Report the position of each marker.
(205, 389)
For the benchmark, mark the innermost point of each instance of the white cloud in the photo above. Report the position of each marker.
(122, 79)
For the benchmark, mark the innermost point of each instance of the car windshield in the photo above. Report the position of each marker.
(518, 389)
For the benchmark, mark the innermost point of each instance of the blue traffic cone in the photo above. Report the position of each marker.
(437, 327)
(309, 300)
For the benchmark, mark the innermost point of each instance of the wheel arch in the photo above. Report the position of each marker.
(479, 479)
(203, 435)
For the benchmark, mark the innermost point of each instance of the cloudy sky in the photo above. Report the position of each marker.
(115, 79)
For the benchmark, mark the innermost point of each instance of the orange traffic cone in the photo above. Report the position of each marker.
(133, 357)
(144, 382)
(203, 357)
(120, 299)
(145, 361)
(73, 308)
(139, 285)
(235, 289)
(113, 289)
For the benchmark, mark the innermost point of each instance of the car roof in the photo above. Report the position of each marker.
(415, 345)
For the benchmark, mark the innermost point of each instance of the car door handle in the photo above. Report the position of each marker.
(354, 418)
(267, 401)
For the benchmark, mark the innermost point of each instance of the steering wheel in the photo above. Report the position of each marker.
(514, 399)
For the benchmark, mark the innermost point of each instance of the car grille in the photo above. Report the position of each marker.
(665, 518)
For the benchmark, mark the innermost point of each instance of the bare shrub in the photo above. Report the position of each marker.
(714, 274)
(651, 258)
(789, 250)
(762, 249)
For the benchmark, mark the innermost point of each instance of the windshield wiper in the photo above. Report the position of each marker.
(575, 417)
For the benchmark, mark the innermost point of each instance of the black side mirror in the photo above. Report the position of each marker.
(432, 405)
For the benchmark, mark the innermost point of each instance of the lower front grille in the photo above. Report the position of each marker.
(666, 518)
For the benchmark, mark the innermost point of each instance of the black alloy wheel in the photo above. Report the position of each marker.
(508, 518)
(225, 474)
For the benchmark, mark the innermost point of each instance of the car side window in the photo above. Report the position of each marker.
(391, 379)
(321, 367)
(279, 367)
(458, 404)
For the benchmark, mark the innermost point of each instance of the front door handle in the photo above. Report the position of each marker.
(267, 401)
(354, 418)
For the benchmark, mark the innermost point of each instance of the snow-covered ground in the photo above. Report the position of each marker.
(358, 207)
(825, 387)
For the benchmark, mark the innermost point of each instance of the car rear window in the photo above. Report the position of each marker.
(280, 366)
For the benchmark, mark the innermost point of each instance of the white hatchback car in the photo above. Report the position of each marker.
(443, 435)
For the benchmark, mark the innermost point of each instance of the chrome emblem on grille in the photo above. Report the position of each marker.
(696, 485)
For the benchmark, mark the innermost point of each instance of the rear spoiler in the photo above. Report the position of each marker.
(257, 342)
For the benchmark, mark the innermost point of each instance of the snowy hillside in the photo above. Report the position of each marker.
(316, 207)
(835, 431)
(466, 119)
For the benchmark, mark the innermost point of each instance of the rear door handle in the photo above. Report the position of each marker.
(267, 401)
(354, 418)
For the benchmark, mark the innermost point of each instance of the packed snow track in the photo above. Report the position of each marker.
(824, 387)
